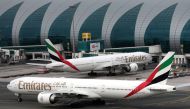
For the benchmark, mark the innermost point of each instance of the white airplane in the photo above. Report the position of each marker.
(49, 90)
(124, 62)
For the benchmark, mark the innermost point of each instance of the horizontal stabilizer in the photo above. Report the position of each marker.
(158, 89)
(37, 64)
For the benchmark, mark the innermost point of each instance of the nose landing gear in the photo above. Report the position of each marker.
(19, 98)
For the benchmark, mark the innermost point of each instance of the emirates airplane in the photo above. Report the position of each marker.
(125, 62)
(50, 90)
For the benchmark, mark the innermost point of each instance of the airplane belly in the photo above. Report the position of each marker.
(123, 94)
(114, 94)
(58, 68)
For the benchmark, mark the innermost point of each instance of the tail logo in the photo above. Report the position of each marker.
(159, 74)
(56, 56)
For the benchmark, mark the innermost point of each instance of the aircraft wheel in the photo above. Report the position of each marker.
(111, 74)
(19, 99)
(102, 102)
(99, 102)
(144, 68)
(92, 74)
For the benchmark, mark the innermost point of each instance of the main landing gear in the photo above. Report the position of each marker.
(111, 71)
(144, 67)
(92, 73)
(99, 102)
(19, 98)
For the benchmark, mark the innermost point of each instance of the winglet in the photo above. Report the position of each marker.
(159, 74)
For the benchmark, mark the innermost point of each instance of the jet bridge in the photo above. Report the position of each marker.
(11, 56)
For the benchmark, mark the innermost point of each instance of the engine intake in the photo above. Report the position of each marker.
(134, 67)
(130, 68)
(47, 98)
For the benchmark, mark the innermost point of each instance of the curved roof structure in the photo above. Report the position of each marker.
(120, 23)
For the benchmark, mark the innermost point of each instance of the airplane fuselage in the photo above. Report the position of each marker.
(102, 62)
(116, 89)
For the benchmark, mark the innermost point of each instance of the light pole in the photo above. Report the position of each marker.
(73, 28)
(181, 47)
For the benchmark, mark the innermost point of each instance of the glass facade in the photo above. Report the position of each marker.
(30, 30)
(93, 23)
(123, 31)
(6, 23)
(60, 29)
(185, 38)
(158, 31)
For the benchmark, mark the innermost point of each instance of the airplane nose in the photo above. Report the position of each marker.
(9, 87)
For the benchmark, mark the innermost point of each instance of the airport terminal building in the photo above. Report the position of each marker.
(120, 23)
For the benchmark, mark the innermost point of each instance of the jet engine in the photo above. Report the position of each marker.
(47, 98)
(130, 68)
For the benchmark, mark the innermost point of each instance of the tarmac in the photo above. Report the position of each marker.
(175, 100)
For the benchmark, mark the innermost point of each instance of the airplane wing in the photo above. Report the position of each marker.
(110, 64)
(78, 93)
(88, 94)
(104, 65)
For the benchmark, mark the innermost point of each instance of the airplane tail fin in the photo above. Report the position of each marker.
(159, 74)
(55, 55)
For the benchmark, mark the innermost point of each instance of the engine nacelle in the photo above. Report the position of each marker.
(132, 67)
(46, 98)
